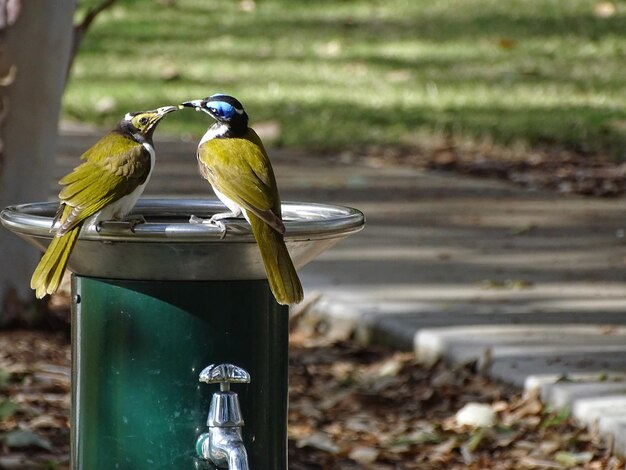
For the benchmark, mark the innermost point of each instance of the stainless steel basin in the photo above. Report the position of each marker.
(168, 247)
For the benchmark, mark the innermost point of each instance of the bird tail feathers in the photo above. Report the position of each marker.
(49, 271)
(281, 273)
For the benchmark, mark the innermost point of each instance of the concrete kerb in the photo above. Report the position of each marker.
(581, 368)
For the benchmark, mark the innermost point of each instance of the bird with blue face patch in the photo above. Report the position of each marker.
(232, 158)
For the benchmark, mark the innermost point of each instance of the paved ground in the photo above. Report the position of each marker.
(530, 284)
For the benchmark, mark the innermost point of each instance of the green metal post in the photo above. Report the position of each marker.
(154, 306)
(138, 347)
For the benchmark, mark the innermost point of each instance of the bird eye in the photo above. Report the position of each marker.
(213, 110)
(143, 121)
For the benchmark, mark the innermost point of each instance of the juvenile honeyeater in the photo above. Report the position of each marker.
(232, 158)
(105, 186)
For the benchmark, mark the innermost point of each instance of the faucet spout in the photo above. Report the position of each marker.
(224, 447)
(223, 444)
(237, 456)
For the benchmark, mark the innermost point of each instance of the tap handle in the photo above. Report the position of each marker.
(224, 374)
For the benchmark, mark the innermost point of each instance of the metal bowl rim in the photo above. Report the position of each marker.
(303, 221)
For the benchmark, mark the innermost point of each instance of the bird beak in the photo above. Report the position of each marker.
(198, 105)
(166, 110)
(193, 104)
(159, 113)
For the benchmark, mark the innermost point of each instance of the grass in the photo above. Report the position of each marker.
(343, 73)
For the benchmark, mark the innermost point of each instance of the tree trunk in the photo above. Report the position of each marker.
(38, 45)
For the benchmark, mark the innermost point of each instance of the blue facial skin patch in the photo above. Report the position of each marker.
(225, 106)
(222, 109)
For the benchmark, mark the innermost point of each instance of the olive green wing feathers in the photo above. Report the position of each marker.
(244, 175)
(112, 169)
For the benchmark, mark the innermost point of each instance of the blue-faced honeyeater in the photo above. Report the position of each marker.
(105, 186)
(232, 158)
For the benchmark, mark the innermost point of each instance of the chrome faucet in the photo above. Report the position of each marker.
(223, 444)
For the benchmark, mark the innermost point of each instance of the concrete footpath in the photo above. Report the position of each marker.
(530, 284)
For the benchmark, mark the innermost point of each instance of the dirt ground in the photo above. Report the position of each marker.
(547, 167)
(350, 408)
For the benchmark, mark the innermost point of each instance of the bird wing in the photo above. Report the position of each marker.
(240, 169)
(111, 169)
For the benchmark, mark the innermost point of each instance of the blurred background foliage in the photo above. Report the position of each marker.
(335, 74)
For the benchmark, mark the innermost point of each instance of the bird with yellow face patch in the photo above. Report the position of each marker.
(114, 173)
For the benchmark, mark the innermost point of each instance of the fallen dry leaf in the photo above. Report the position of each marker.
(363, 454)
(320, 441)
(477, 415)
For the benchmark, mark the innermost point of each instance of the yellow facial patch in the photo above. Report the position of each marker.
(141, 121)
